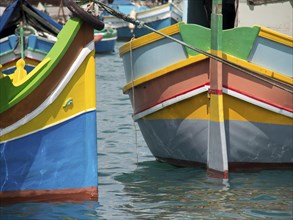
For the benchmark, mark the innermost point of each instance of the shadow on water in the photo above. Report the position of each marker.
(162, 191)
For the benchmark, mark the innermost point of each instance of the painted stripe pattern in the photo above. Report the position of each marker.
(84, 53)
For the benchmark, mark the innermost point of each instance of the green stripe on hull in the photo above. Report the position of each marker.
(11, 95)
(237, 42)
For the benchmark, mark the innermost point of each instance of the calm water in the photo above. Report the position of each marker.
(132, 185)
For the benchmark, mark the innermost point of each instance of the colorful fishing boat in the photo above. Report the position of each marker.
(105, 40)
(48, 130)
(157, 17)
(38, 35)
(219, 99)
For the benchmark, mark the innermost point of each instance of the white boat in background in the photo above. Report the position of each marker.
(157, 17)
(105, 40)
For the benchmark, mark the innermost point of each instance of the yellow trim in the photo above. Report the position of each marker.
(276, 36)
(1, 74)
(147, 39)
(163, 71)
(33, 72)
(195, 108)
(81, 89)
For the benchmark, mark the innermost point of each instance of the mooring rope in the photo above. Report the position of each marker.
(133, 96)
(141, 24)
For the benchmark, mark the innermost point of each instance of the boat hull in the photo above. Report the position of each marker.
(48, 124)
(183, 142)
(52, 163)
(105, 45)
(171, 98)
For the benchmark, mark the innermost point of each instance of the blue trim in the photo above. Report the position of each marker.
(62, 156)
(8, 45)
(39, 45)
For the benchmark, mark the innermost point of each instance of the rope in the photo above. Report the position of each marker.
(140, 24)
(21, 34)
(133, 97)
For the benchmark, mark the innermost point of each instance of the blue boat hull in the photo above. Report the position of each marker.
(56, 158)
(105, 46)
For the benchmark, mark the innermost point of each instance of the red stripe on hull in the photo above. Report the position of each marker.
(215, 91)
(261, 100)
(217, 174)
(63, 195)
(257, 88)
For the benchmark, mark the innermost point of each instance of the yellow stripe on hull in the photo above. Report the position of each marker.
(80, 89)
(216, 108)
(234, 109)
(192, 108)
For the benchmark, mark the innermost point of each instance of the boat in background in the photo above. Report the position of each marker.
(105, 40)
(157, 17)
(39, 33)
(48, 133)
(214, 98)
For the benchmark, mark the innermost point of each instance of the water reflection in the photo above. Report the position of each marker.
(45, 211)
(159, 190)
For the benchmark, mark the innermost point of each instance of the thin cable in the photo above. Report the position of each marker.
(133, 97)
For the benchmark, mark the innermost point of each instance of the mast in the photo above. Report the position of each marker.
(217, 159)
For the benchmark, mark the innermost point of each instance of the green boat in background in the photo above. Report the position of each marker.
(105, 40)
